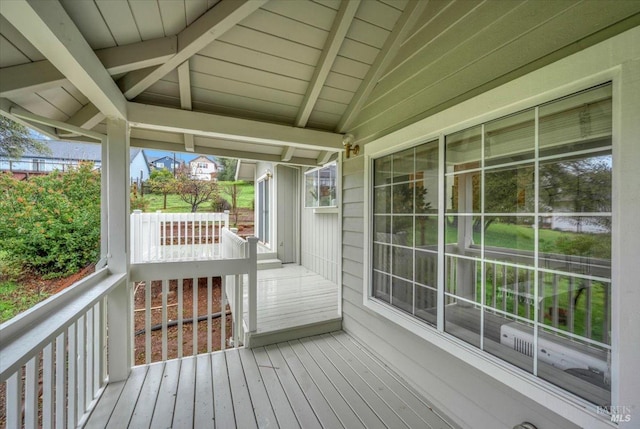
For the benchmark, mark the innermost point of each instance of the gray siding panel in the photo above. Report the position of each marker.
(461, 392)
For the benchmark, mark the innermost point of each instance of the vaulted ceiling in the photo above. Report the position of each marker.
(278, 80)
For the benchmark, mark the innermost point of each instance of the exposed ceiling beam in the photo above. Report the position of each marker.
(46, 25)
(287, 153)
(87, 117)
(221, 152)
(407, 20)
(32, 117)
(224, 127)
(184, 82)
(215, 22)
(334, 41)
(189, 145)
(41, 75)
(5, 110)
(323, 157)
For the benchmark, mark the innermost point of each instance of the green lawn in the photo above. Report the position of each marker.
(176, 205)
(14, 300)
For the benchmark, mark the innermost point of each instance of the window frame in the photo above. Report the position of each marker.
(324, 208)
(493, 105)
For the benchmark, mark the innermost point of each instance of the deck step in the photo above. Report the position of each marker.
(267, 255)
(269, 264)
(260, 339)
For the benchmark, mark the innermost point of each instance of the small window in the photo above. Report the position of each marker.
(320, 187)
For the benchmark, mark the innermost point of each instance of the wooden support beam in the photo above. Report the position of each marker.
(334, 41)
(324, 157)
(215, 22)
(287, 153)
(46, 25)
(184, 82)
(32, 117)
(5, 110)
(407, 20)
(227, 128)
(189, 145)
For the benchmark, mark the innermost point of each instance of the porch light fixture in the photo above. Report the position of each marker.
(347, 142)
(524, 425)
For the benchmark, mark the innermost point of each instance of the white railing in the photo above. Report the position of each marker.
(53, 361)
(176, 236)
(162, 288)
(233, 246)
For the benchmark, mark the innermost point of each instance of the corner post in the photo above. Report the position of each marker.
(119, 302)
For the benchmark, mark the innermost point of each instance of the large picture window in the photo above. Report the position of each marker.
(525, 238)
(320, 187)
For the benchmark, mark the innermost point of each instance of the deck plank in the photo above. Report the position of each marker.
(373, 398)
(262, 408)
(222, 402)
(127, 401)
(146, 403)
(318, 402)
(242, 405)
(299, 402)
(203, 411)
(400, 388)
(343, 411)
(183, 415)
(105, 405)
(281, 406)
(166, 402)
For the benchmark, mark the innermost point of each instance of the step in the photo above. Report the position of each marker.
(260, 339)
(267, 255)
(269, 264)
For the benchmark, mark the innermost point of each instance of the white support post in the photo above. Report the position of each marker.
(252, 256)
(119, 310)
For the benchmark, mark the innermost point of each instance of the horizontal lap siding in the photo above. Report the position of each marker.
(460, 392)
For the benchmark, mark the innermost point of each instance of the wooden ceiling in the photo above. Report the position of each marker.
(278, 80)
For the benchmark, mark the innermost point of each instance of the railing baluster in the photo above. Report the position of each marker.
(61, 354)
(165, 291)
(223, 311)
(504, 288)
(98, 335)
(71, 377)
(516, 292)
(14, 400)
(89, 360)
(48, 383)
(147, 321)
(494, 285)
(571, 309)
(194, 290)
(209, 310)
(80, 350)
(588, 321)
(528, 294)
(31, 392)
(607, 314)
(180, 316)
(554, 297)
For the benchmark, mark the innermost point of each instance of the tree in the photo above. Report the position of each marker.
(162, 181)
(15, 140)
(195, 192)
(233, 191)
(228, 169)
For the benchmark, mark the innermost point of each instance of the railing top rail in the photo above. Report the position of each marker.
(24, 335)
(217, 216)
(228, 234)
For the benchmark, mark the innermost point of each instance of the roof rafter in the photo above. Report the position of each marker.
(51, 31)
(184, 82)
(287, 153)
(215, 22)
(224, 127)
(409, 17)
(334, 41)
(5, 110)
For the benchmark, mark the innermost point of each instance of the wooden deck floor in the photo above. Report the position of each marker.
(325, 381)
(294, 297)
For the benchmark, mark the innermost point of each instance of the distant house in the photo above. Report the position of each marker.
(167, 162)
(64, 155)
(139, 166)
(203, 168)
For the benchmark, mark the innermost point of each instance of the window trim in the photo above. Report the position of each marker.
(548, 84)
(319, 209)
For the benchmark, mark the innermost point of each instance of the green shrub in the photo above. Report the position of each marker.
(51, 224)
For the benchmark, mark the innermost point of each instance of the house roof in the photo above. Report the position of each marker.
(203, 158)
(274, 80)
(65, 150)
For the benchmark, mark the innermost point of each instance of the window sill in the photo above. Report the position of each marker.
(323, 210)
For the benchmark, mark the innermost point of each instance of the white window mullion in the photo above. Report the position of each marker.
(441, 234)
(536, 232)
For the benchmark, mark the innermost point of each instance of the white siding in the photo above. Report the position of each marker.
(320, 243)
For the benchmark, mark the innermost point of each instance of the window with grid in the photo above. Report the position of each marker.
(526, 233)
